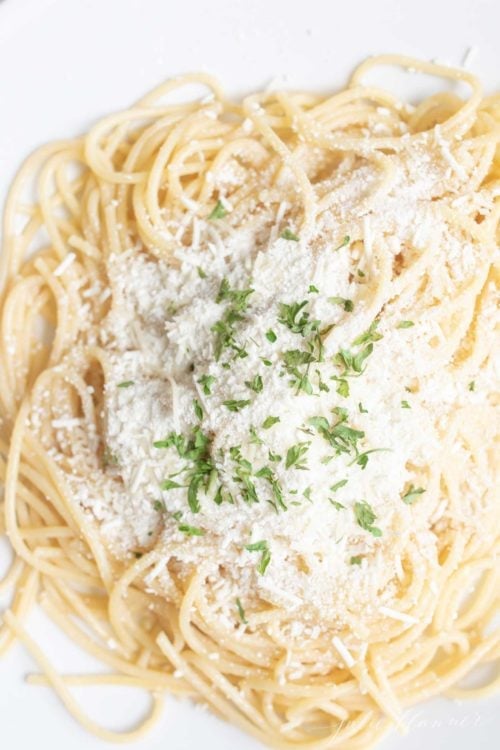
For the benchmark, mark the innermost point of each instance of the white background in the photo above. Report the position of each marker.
(63, 63)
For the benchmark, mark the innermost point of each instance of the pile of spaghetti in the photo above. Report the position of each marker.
(248, 407)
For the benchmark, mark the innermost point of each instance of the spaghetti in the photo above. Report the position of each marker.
(162, 185)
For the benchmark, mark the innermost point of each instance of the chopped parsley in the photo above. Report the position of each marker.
(269, 422)
(190, 530)
(235, 404)
(321, 383)
(254, 438)
(411, 494)
(313, 289)
(199, 469)
(342, 386)
(472, 385)
(169, 484)
(365, 517)
(278, 501)
(342, 437)
(347, 304)
(206, 382)
(218, 212)
(369, 336)
(293, 359)
(405, 405)
(353, 363)
(201, 273)
(362, 409)
(338, 485)
(287, 234)
(242, 475)
(266, 362)
(405, 324)
(356, 560)
(289, 317)
(109, 458)
(225, 328)
(265, 559)
(344, 243)
(125, 384)
(159, 506)
(295, 456)
(238, 297)
(197, 409)
(271, 336)
(362, 458)
(241, 611)
(336, 504)
(255, 384)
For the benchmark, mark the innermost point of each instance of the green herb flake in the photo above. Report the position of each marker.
(336, 504)
(125, 384)
(255, 384)
(346, 240)
(362, 409)
(266, 362)
(472, 385)
(169, 484)
(109, 458)
(347, 304)
(193, 488)
(296, 319)
(201, 273)
(365, 516)
(369, 336)
(236, 405)
(241, 612)
(362, 458)
(254, 438)
(218, 212)
(405, 405)
(356, 560)
(313, 289)
(295, 454)
(405, 324)
(269, 422)
(191, 530)
(338, 485)
(197, 409)
(287, 234)
(342, 386)
(265, 559)
(271, 336)
(238, 297)
(225, 328)
(274, 457)
(411, 494)
(159, 506)
(206, 382)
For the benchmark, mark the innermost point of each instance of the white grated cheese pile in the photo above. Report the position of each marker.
(329, 559)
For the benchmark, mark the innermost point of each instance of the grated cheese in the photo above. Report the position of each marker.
(344, 652)
(159, 335)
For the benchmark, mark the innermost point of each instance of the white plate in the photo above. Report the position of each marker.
(62, 65)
